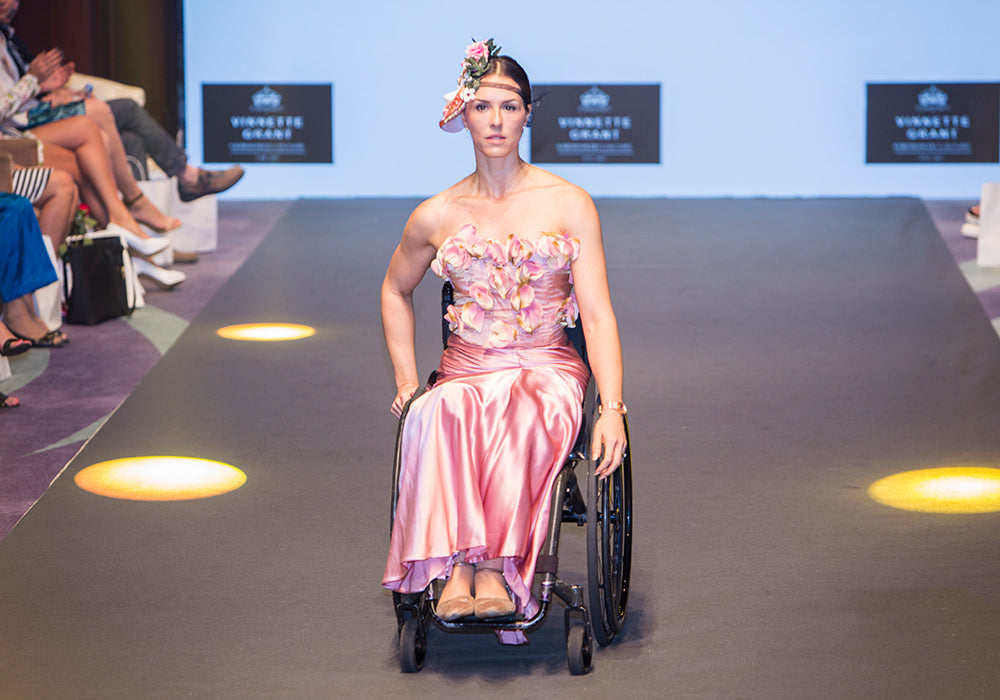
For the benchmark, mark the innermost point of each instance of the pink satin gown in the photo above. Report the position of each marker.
(482, 447)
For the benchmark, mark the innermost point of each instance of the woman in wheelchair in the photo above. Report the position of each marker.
(482, 446)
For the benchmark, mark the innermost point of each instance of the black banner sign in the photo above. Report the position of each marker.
(267, 123)
(596, 124)
(933, 123)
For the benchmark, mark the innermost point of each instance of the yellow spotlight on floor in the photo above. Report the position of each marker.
(943, 490)
(160, 478)
(266, 331)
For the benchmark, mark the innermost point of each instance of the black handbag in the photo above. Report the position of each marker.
(98, 280)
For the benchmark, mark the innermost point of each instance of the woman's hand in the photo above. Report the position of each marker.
(56, 79)
(62, 96)
(405, 393)
(609, 437)
(45, 63)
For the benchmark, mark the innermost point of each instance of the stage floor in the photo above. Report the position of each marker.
(781, 355)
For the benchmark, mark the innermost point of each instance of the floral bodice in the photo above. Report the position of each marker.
(509, 293)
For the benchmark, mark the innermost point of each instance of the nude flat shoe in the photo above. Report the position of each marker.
(487, 608)
(455, 608)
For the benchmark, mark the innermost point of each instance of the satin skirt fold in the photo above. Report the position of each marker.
(481, 449)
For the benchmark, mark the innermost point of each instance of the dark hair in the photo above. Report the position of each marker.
(509, 68)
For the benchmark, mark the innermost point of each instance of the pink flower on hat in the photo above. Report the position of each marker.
(477, 51)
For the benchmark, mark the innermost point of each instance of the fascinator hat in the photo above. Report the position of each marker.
(474, 67)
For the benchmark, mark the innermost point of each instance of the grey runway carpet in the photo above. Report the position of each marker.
(781, 355)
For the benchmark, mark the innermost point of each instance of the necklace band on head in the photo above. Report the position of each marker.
(502, 86)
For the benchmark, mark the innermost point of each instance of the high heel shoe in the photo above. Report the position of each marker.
(174, 224)
(488, 608)
(162, 278)
(143, 246)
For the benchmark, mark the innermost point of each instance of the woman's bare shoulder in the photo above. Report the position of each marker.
(551, 185)
(432, 217)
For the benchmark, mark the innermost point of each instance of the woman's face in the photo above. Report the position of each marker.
(8, 8)
(496, 117)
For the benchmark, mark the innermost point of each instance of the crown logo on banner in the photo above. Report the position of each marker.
(933, 99)
(266, 100)
(595, 100)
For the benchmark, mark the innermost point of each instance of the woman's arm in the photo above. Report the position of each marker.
(409, 262)
(13, 99)
(45, 72)
(600, 329)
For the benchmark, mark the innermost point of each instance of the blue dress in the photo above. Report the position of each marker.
(24, 263)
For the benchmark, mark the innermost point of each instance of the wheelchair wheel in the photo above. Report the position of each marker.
(579, 649)
(412, 646)
(609, 548)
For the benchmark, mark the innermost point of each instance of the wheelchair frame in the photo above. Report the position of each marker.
(600, 613)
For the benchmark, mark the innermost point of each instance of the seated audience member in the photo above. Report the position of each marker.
(137, 126)
(24, 267)
(133, 124)
(42, 116)
(75, 144)
(55, 195)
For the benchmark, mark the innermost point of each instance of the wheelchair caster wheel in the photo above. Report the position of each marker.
(579, 649)
(412, 646)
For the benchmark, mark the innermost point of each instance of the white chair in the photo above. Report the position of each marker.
(48, 300)
(988, 247)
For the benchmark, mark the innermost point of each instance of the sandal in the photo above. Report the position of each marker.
(5, 401)
(52, 339)
(15, 346)
(173, 222)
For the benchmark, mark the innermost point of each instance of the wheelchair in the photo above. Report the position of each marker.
(604, 507)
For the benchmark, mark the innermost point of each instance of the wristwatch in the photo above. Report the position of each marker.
(617, 406)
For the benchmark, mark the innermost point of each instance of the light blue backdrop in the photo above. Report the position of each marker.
(758, 98)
